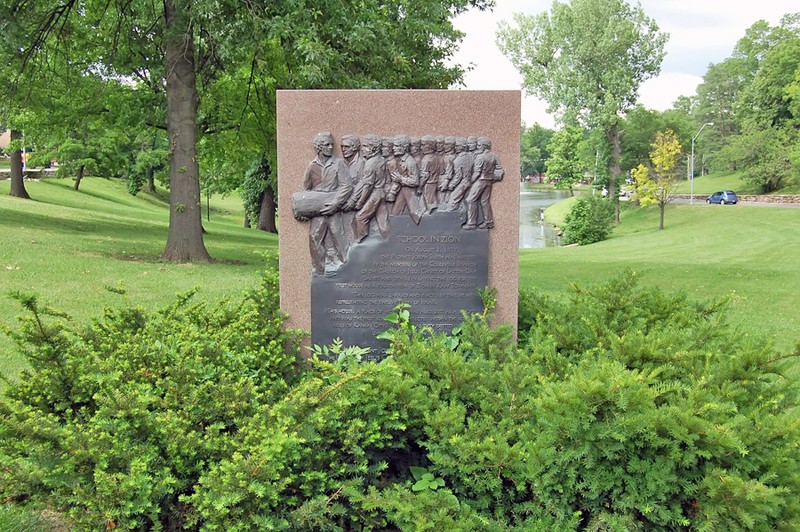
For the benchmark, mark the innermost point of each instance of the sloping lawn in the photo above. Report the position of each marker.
(748, 254)
(67, 247)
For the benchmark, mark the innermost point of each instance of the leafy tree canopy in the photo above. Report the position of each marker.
(534, 149)
(586, 58)
(213, 66)
(749, 97)
(564, 167)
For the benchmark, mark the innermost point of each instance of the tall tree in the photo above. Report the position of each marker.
(766, 153)
(792, 91)
(182, 50)
(758, 39)
(17, 178)
(640, 126)
(534, 153)
(12, 117)
(718, 95)
(259, 196)
(748, 97)
(767, 100)
(185, 236)
(587, 59)
(147, 162)
(564, 166)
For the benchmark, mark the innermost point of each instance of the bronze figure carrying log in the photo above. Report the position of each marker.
(308, 204)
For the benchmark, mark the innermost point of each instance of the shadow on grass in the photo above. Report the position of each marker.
(146, 258)
(108, 227)
(138, 202)
(123, 232)
(102, 227)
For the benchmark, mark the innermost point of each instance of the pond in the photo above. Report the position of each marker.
(533, 233)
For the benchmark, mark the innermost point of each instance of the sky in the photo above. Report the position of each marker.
(701, 32)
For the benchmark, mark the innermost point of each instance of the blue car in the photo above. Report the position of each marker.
(722, 197)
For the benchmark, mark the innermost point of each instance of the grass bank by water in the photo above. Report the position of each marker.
(750, 254)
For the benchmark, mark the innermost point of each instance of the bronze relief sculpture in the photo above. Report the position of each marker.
(327, 187)
(346, 199)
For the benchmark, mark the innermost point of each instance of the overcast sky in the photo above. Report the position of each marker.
(701, 32)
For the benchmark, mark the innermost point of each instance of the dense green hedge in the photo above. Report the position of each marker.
(590, 220)
(622, 408)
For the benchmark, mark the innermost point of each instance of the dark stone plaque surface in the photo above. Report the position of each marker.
(435, 266)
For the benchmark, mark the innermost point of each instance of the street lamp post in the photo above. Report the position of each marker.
(691, 172)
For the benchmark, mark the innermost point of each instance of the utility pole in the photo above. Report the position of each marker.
(691, 173)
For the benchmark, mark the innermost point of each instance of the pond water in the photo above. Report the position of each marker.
(533, 233)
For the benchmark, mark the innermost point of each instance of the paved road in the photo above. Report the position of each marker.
(701, 200)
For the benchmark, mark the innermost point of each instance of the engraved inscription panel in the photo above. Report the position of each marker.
(435, 266)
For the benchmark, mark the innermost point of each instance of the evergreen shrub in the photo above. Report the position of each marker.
(622, 408)
(653, 413)
(114, 423)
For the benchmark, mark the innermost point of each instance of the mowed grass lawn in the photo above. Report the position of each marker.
(67, 247)
(750, 254)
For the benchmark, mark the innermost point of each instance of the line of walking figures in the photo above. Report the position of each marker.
(377, 176)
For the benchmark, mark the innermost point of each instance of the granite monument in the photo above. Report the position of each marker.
(409, 206)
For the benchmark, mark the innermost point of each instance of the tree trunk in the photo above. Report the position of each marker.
(614, 137)
(79, 176)
(185, 237)
(17, 179)
(266, 214)
(151, 181)
(661, 207)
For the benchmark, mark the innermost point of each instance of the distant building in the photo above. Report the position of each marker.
(5, 139)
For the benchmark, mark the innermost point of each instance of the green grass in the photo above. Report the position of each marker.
(750, 254)
(708, 184)
(16, 519)
(67, 246)
(556, 214)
